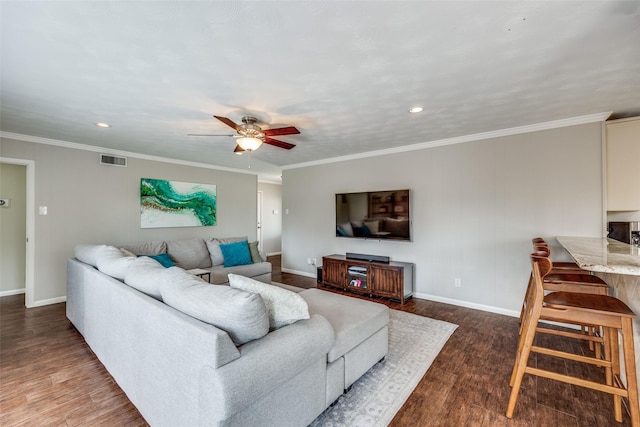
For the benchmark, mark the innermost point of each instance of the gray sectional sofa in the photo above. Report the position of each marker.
(189, 353)
(204, 254)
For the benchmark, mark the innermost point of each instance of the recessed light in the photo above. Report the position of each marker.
(103, 125)
(416, 109)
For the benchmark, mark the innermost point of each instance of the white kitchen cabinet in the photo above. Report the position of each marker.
(623, 172)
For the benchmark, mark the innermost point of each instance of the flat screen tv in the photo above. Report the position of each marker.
(374, 215)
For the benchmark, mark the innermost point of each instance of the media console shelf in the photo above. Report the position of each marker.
(390, 280)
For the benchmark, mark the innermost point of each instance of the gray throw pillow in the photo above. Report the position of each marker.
(213, 246)
(241, 314)
(255, 253)
(285, 307)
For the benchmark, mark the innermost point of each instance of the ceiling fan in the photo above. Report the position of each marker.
(250, 136)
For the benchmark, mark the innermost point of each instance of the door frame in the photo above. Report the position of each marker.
(259, 203)
(30, 226)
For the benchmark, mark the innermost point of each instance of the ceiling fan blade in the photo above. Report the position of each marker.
(228, 122)
(239, 149)
(278, 143)
(209, 134)
(289, 130)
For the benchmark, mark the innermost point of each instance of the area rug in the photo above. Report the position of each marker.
(414, 343)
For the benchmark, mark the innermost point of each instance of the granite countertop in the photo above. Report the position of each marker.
(603, 255)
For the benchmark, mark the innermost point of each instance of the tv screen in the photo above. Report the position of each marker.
(374, 215)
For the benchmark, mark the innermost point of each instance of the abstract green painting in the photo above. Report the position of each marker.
(176, 204)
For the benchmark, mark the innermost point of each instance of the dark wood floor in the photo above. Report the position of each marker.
(48, 375)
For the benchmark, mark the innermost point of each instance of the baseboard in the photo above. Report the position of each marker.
(468, 304)
(12, 292)
(300, 273)
(49, 301)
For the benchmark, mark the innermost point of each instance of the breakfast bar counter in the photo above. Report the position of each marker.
(616, 263)
(603, 255)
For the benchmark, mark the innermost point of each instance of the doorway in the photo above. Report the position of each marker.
(22, 250)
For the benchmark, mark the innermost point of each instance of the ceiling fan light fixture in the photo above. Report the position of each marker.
(249, 144)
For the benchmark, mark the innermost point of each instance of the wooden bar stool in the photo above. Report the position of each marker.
(558, 267)
(571, 278)
(605, 312)
(565, 280)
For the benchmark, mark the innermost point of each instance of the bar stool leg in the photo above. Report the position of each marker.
(612, 353)
(522, 357)
(630, 368)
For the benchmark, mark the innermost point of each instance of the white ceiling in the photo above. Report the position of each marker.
(343, 72)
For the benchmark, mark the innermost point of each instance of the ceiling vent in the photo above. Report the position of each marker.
(106, 159)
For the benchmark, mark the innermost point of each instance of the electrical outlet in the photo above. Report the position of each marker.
(457, 282)
(308, 261)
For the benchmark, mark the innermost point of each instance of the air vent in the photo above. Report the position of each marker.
(106, 159)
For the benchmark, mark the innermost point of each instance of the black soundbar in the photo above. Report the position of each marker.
(370, 258)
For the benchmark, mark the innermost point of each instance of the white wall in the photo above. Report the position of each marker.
(271, 222)
(475, 208)
(13, 181)
(92, 203)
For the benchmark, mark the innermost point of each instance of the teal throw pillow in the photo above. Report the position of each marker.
(236, 253)
(163, 259)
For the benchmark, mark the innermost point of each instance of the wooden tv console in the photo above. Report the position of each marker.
(390, 280)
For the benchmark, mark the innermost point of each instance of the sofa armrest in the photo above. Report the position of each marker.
(264, 365)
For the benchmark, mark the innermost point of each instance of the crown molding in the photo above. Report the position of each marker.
(264, 179)
(591, 118)
(85, 147)
(573, 121)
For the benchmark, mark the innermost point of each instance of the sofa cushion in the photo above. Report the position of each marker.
(189, 254)
(111, 261)
(145, 275)
(241, 314)
(213, 246)
(255, 253)
(236, 253)
(284, 307)
(220, 274)
(353, 320)
(147, 248)
(88, 253)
